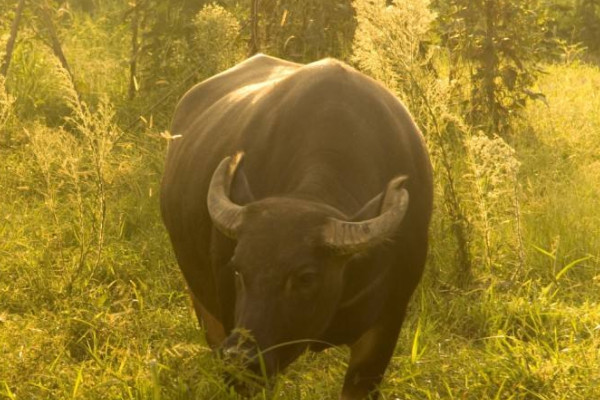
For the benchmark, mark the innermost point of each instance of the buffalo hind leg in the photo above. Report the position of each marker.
(369, 358)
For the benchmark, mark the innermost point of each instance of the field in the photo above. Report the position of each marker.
(123, 327)
(93, 306)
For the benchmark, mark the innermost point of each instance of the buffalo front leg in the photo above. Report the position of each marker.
(369, 358)
(213, 328)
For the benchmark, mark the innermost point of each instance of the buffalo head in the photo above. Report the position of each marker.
(288, 263)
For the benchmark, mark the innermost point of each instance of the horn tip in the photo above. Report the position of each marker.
(235, 161)
(398, 181)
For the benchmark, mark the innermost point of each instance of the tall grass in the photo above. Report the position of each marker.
(80, 239)
(495, 204)
(121, 327)
(6, 111)
(560, 149)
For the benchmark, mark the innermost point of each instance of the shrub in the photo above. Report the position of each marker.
(495, 208)
(217, 42)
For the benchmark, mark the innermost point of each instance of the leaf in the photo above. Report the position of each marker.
(284, 17)
(509, 77)
(544, 252)
(77, 382)
(536, 96)
(571, 265)
(8, 392)
(414, 354)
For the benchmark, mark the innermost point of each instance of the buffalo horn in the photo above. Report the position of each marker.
(354, 237)
(225, 214)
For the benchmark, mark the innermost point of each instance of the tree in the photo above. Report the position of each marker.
(10, 45)
(588, 18)
(307, 30)
(500, 43)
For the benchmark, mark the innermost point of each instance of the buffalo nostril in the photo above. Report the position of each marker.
(240, 355)
(235, 355)
(239, 345)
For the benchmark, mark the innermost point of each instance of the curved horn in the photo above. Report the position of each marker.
(225, 214)
(353, 237)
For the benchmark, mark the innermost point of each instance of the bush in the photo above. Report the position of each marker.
(34, 82)
(217, 42)
(495, 208)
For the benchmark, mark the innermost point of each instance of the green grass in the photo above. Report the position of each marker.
(85, 316)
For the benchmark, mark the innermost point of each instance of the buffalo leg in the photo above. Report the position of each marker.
(214, 331)
(369, 358)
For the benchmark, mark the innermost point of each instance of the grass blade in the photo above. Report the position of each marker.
(569, 266)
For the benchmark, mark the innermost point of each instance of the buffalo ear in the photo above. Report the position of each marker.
(240, 188)
(370, 210)
(375, 207)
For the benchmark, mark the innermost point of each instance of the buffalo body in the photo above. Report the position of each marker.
(298, 200)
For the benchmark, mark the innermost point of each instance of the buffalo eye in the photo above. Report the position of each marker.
(303, 281)
(237, 275)
(240, 285)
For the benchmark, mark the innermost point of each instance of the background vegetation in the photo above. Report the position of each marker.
(92, 304)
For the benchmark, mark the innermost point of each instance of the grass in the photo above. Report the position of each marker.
(92, 304)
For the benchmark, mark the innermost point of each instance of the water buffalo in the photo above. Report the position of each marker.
(297, 199)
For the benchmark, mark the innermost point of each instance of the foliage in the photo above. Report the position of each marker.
(179, 38)
(388, 39)
(167, 41)
(78, 212)
(6, 110)
(127, 330)
(99, 70)
(587, 14)
(217, 40)
(576, 22)
(205, 42)
(495, 47)
(389, 46)
(307, 30)
(33, 82)
(496, 208)
(561, 151)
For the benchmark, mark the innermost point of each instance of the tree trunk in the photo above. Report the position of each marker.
(54, 41)
(254, 39)
(10, 45)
